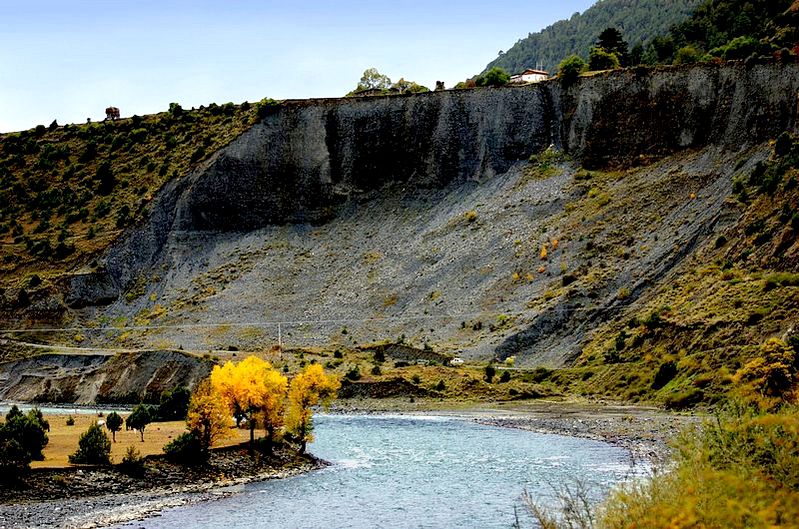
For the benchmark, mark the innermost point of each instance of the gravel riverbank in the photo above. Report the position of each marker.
(99, 497)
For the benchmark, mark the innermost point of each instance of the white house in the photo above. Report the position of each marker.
(529, 76)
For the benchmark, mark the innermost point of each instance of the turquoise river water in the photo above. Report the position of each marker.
(412, 472)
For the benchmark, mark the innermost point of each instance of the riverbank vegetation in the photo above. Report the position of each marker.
(738, 470)
(237, 397)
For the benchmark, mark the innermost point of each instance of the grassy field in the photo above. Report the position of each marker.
(64, 439)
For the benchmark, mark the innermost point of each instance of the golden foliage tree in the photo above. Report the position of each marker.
(208, 417)
(254, 389)
(307, 389)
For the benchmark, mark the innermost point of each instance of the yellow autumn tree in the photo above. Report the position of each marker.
(254, 390)
(307, 389)
(208, 417)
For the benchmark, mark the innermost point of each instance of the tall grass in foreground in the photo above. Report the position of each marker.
(738, 470)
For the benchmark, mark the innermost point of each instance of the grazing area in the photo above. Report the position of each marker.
(64, 439)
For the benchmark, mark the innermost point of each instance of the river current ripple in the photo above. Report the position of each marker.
(412, 472)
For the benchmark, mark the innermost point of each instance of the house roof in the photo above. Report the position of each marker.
(530, 71)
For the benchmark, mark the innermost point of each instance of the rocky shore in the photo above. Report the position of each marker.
(99, 497)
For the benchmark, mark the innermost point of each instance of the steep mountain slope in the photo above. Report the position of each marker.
(531, 221)
(638, 20)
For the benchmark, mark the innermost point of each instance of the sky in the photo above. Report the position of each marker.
(70, 59)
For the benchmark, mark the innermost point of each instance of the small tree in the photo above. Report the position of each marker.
(496, 76)
(23, 437)
(114, 423)
(132, 463)
(174, 404)
(570, 69)
(372, 79)
(94, 447)
(600, 59)
(687, 55)
(139, 419)
(307, 389)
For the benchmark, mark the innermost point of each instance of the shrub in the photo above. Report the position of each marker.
(94, 447)
(266, 107)
(665, 373)
(504, 377)
(198, 154)
(185, 449)
(570, 69)
(739, 48)
(70, 421)
(353, 374)
(105, 178)
(599, 59)
(490, 371)
(175, 110)
(132, 463)
(684, 399)
(781, 279)
(496, 76)
(338, 354)
(687, 55)
(23, 437)
(376, 371)
(441, 386)
(784, 144)
(174, 404)
(737, 471)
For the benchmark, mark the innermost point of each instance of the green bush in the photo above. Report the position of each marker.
(784, 144)
(174, 404)
(185, 449)
(23, 437)
(94, 447)
(665, 373)
(739, 48)
(132, 463)
(266, 107)
(353, 374)
(781, 279)
(570, 69)
(504, 377)
(490, 371)
(494, 77)
(599, 59)
(441, 386)
(684, 399)
(687, 55)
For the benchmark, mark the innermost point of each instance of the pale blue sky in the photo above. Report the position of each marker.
(68, 60)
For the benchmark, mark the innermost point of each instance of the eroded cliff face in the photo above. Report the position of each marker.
(350, 213)
(308, 158)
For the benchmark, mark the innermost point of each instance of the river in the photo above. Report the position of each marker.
(411, 472)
